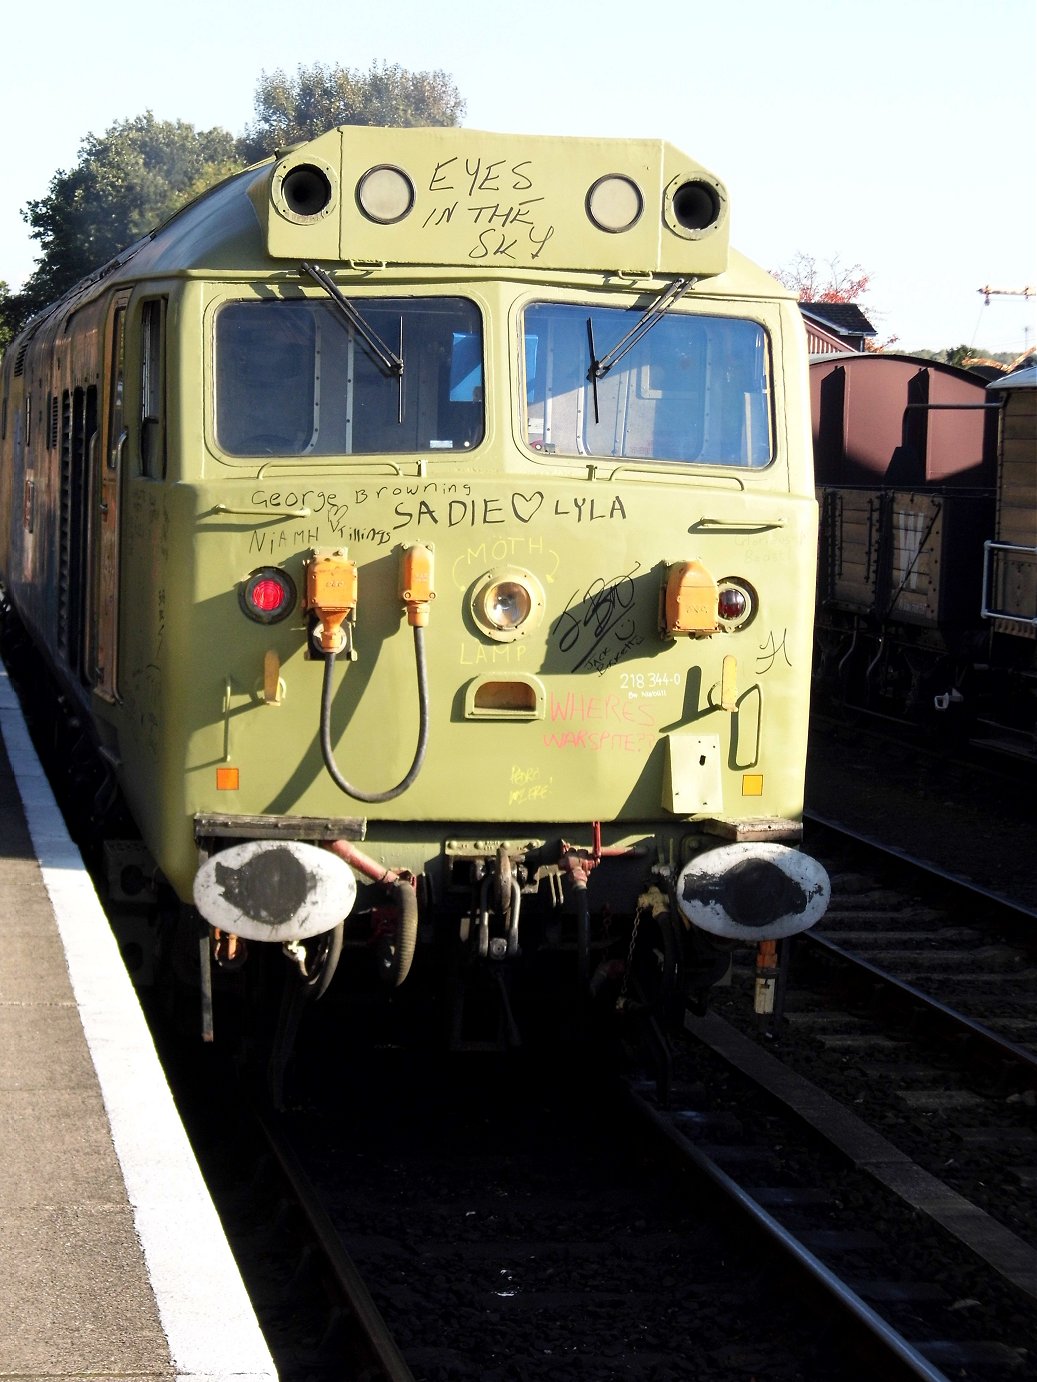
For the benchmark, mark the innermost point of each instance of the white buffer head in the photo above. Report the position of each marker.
(753, 891)
(274, 890)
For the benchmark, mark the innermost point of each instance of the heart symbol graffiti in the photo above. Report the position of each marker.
(524, 506)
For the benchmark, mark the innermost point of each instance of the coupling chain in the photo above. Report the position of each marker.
(621, 1001)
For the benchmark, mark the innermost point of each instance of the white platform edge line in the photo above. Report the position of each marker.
(210, 1326)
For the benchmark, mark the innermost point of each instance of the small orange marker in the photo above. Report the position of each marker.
(226, 779)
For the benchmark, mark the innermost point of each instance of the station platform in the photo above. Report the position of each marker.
(113, 1262)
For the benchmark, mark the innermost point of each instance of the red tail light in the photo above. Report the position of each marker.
(731, 603)
(268, 595)
(736, 603)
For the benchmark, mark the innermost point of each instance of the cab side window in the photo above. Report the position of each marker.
(152, 389)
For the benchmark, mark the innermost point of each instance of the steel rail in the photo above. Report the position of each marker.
(1015, 914)
(940, 1014)
(1019, 919)
(899, 1359)
(346, 1275)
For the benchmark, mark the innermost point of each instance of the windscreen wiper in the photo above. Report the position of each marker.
(388, 359)
(653, 313)
(592, 373)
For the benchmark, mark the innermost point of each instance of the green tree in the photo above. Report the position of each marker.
(6, 328)
(15, 309)
(127, 181)
(317, 98)
(958, 355)
(140, 171)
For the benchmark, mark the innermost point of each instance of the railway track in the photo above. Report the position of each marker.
(528, 1231)
(511, 1224)
(934, 1104)
(856, 1182)
(839, 1198)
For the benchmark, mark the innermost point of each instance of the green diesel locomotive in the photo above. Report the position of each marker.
(422, 524)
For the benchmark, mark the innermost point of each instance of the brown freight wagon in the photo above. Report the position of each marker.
(927, 571)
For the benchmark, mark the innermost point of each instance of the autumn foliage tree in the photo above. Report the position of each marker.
(830, 281)
(827, 282)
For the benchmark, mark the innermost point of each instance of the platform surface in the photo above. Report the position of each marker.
(113, 1263)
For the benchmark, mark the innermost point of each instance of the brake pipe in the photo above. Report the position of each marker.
(363, 863)
(577, 864)
(578, 867)
(597, 853)
(401, 885)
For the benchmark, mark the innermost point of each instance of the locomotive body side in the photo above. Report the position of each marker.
(474, 563)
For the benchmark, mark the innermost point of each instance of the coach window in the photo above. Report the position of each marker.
(687, 388)
(152, 390)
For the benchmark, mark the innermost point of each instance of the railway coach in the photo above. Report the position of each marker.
(420, 529)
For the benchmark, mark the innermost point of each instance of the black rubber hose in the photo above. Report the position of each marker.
(406, 930)
(420, 751)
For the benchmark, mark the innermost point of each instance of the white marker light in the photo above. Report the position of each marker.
(385, 194)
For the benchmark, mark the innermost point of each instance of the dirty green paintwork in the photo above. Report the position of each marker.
(625, 726)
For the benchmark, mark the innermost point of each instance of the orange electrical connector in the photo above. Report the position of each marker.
(416, 583)
(331, 591)
(689, 600)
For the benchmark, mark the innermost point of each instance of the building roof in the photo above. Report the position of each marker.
(1020, 379)
(841, 318)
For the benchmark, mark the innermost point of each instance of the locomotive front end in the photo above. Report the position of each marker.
(499, 531)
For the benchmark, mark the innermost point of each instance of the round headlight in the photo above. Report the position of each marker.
(385, 194)
(507, 603)
(615, 203)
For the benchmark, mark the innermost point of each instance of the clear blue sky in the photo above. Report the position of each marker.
(900, 135)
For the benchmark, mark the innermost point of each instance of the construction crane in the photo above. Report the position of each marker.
(989, 292)
(1027, 292)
